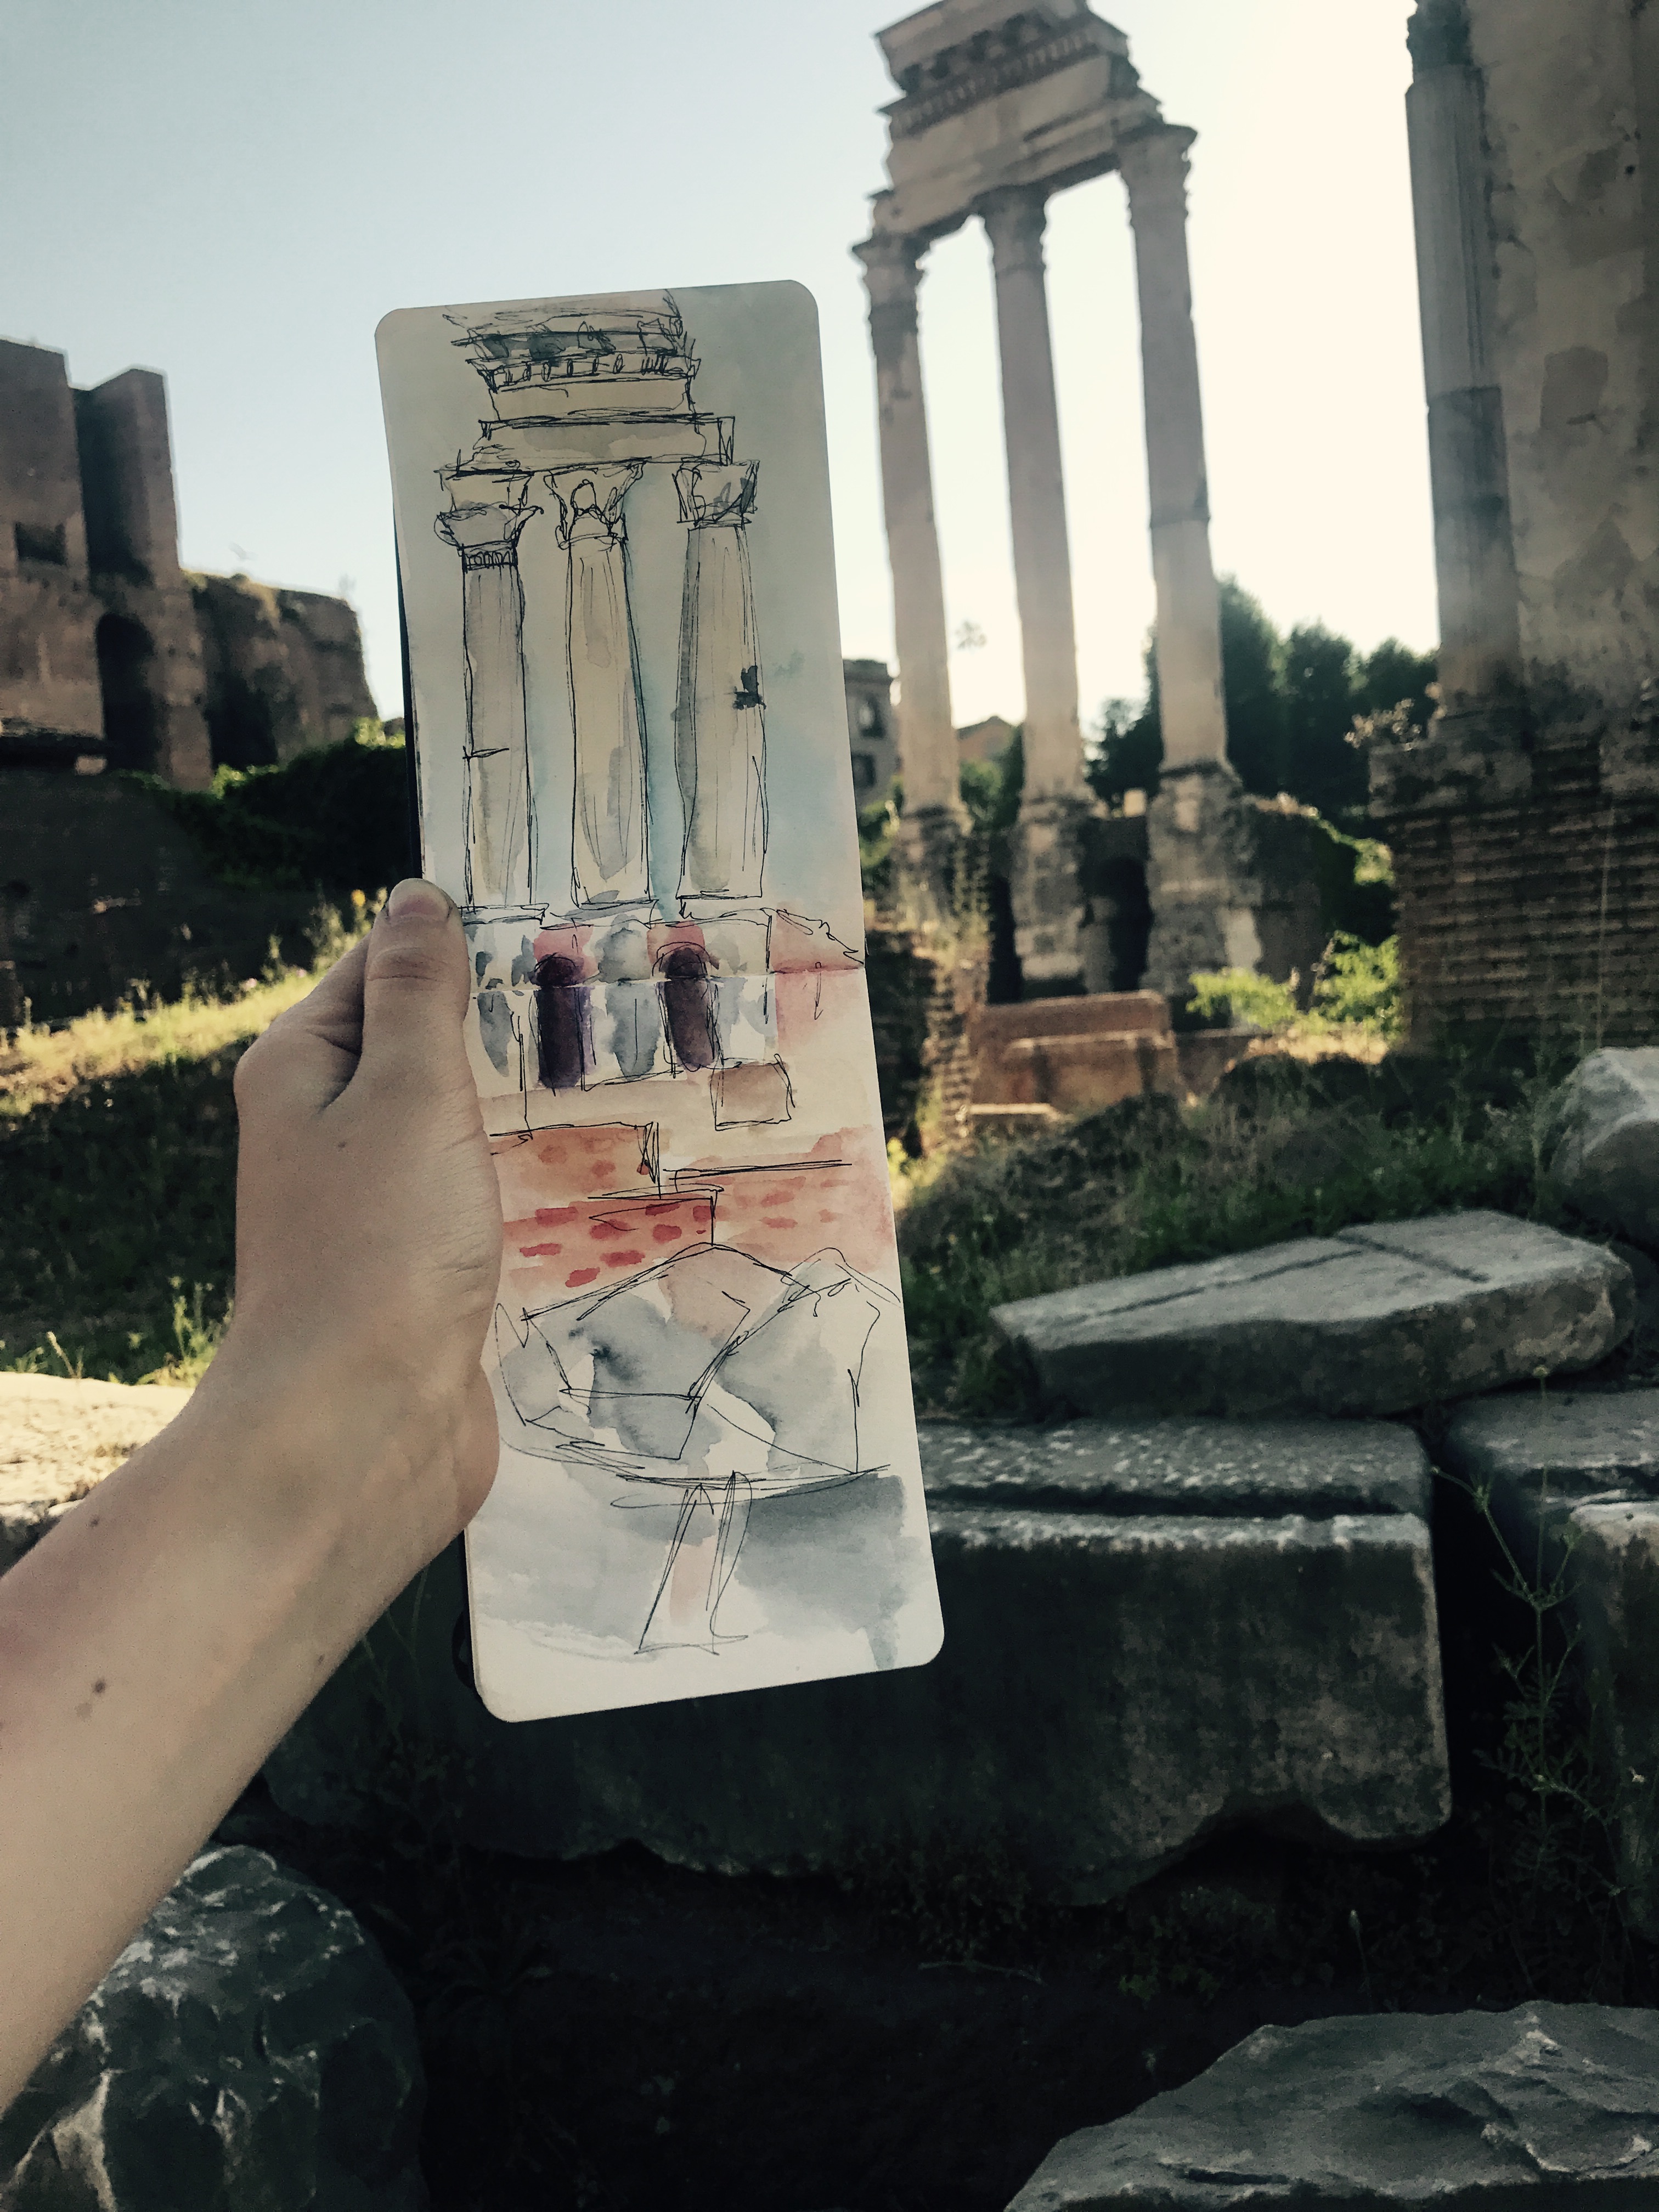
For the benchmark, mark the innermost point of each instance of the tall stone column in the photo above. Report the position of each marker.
(609, 847)
(483, 524)
(1153, 163)
(1202, 877)
(933, 812)
(1049, 905)
(1468, 457)
(719, 724)
(1014, 219)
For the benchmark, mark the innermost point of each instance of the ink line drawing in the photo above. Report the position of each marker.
(698, 1316)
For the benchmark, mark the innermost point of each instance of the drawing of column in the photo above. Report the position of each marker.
(500, 865)
(720, 720)
(609, 852)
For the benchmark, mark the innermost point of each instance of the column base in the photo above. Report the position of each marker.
(1051, 911)
(929, 844)
(1233, 882)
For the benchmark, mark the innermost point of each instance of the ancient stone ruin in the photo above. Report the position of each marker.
(1525, 822)
(113, 654)
(1000, 109)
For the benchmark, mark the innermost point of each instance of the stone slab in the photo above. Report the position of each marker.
(1183, 1465)
(1373, 1320)
(1114, 1685)
(1607, 1163)
(249, 2047)
(1574, 1477)
(59, 1438)
(1550, 2105)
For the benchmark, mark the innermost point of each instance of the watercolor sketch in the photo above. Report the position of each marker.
(630, 735)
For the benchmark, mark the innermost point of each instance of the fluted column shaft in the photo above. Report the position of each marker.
(1014, 219)
(927, 738)
(719, 723)
(1468, 456)
(1153, 163)
(609, 858)
(500, 861)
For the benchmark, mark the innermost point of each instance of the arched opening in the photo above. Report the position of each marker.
(689, 1003)
(561, 1006)
(125, 653)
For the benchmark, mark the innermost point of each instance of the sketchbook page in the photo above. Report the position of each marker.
(631, 741)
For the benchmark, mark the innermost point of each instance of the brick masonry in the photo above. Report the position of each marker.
(1538, 915)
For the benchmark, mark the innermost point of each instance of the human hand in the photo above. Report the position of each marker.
(368, 1240)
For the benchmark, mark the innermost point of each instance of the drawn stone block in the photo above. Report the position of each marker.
(744, 1097)
(500, 1049)
(1153, 1631)
(1575, 1477)
(1373, 1320)
(1457, 2109)
(745, 1024)
(626, 1026)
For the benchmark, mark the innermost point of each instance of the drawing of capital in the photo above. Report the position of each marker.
(711, 493)
(591, 498)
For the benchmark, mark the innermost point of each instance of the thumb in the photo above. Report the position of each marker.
(416, 986)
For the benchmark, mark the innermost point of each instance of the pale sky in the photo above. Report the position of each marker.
(235, 194)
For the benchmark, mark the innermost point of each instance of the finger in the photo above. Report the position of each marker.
(309, 1054)
(416, 986)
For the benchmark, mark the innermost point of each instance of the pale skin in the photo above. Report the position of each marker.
(155, 1646)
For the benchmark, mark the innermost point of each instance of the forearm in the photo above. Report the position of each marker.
(152, 1649)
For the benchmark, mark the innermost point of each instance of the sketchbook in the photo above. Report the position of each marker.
(631, 740)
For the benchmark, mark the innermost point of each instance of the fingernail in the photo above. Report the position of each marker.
(417, 899)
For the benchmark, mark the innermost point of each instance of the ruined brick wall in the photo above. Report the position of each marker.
(1537, 913)
(102, 894)
(922, 996)
(284, 670)
(1524, 822)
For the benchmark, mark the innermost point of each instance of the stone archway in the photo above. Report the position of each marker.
(125, 652)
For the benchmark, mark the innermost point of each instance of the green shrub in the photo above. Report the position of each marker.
(1144, 1184)
(337, 818)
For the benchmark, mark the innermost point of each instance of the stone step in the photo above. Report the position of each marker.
(1574, 1481)
(1141, 1649)
(1373, 1320)
(1555, 2104)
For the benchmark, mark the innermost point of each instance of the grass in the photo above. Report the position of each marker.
(117, 1166)
(1288, 1149)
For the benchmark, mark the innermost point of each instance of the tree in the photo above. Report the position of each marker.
(1291, 703)
(1321, 767)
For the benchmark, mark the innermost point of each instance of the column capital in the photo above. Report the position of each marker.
(1152, 163)
(599, 514)
(1015, 217)
(717, 495)
(892, 272)
(484, 531)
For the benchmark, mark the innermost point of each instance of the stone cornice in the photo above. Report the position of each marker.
(981, 80)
